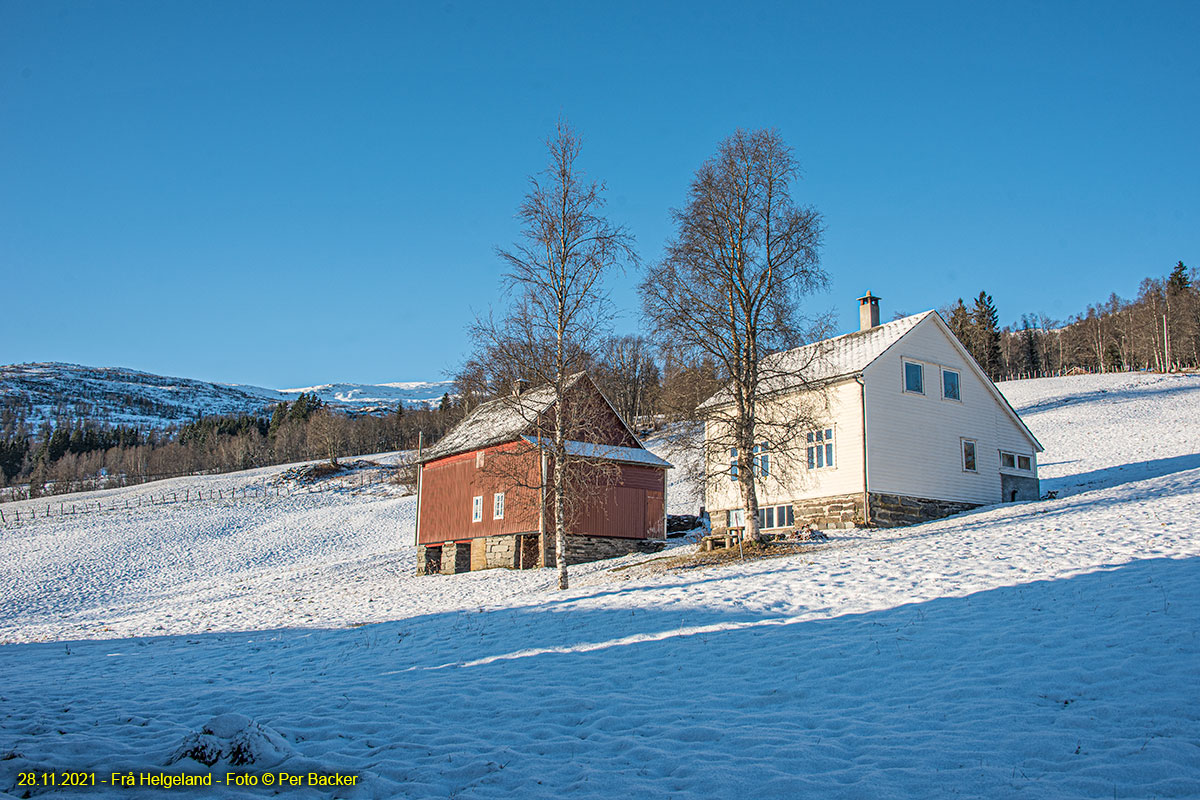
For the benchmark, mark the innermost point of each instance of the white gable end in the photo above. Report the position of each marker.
(915, 440)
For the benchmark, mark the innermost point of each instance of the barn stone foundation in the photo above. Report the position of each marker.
(508, 551)
(582, 549)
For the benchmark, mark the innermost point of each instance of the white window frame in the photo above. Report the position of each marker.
(962, 449)
(498, 505)
(906, 362)
(477, 508)
(825, 447)
(782, 516)
(760, 460)
(1016, 459)
(957, 384)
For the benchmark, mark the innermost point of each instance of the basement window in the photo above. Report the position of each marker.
(498, 505)
(477, 509)
(1015, 461)
(776, 517)
(914, 378)
(968, 456)
(820, 448)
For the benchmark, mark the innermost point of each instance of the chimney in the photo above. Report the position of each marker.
(519, 386)
(868, 312)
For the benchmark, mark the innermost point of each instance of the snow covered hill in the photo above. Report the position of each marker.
(1044, 649)
(120, 396)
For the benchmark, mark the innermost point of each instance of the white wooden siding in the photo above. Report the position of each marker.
(914, 441)
(789, 478)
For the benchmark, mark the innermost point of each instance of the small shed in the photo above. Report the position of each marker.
(484, 498)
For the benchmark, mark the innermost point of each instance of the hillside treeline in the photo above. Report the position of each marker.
(1158, 330)
(80, 454)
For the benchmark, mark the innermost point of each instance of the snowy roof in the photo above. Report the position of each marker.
(609, 452)
(828, 359)
(501, 420)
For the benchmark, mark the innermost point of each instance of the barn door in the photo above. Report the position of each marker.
(654, 516)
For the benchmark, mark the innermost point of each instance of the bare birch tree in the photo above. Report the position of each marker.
(558, 300)
(730, 288)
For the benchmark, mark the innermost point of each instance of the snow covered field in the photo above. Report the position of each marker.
(1046, 649)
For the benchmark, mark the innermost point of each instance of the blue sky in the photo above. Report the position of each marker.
(286, 193)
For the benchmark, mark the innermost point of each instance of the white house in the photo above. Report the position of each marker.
(907, 428)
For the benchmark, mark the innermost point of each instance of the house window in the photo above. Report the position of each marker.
(477, 509)
(968, 455)
(776, 517)
(762, 465)
(1014, 461)
(950, 385)
(498, 505)
(914, 378)
(760, 461)
(820, 448)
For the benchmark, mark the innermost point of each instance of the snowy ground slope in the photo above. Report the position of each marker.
(1045, 649)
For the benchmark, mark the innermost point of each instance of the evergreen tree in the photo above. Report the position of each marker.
(1033, 360)
(1178, 280)
(960, 323)
(985, 324)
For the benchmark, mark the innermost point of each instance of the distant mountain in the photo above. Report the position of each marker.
(119, 396)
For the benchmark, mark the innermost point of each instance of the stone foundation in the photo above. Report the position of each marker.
(456, 558)
(890, 510)
(582, 549)
(506, 551)
(887, 510)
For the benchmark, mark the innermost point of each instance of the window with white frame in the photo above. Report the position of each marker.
(735, 518)
(776, 517)
(820, 448)
(498, 505)
(477, 508)
(1016, 461)
(762, 465)
(914, 377)
(950, 390)
(760, 461)
(968, 456)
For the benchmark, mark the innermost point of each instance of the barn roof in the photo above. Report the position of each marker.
(496, 421)
(828, 359)
(609, 452)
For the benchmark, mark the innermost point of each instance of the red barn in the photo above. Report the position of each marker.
(484, 497)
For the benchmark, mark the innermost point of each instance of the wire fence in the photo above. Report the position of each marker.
(48, 508)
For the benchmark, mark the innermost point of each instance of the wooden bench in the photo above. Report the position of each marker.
(722, 540)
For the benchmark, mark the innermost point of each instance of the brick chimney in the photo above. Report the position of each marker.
(868, 312)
